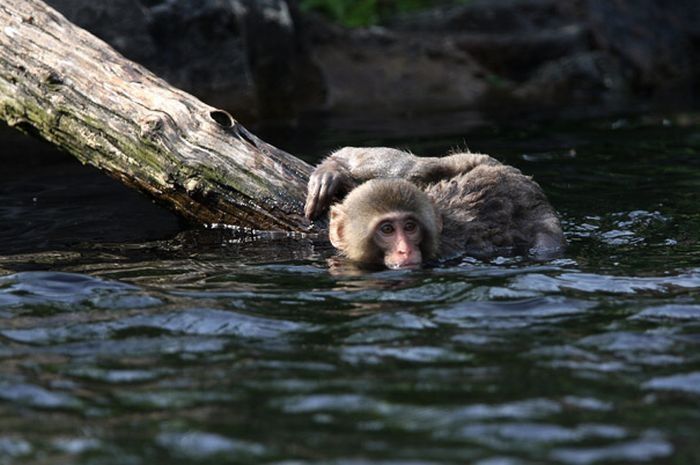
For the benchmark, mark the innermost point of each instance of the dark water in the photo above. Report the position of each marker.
(125, 341)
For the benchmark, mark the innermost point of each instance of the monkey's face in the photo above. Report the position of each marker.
(399, 237)
(386, 222)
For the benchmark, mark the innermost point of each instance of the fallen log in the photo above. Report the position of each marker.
(74, 90)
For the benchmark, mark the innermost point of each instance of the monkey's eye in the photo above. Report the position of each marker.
(410, 226)
(386, 228)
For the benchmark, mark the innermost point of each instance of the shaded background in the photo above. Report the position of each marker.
(274, 59)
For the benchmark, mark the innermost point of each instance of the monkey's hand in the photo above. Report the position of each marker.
(328, 179)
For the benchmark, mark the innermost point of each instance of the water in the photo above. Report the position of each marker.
(124, 340)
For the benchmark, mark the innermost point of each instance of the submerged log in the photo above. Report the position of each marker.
(72, 89)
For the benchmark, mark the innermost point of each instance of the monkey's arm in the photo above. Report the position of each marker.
(349, 166)
(429, 170)
(344, 169)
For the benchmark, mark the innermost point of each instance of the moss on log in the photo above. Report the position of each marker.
(74, 90)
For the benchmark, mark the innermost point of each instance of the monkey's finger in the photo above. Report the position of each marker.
(310, 208)
(334, 184)
(326, 192)
(312, 198)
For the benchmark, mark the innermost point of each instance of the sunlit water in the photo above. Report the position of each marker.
(123, 342)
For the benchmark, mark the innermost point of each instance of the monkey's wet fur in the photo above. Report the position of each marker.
(401, 210)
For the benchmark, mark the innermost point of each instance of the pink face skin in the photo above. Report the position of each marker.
(399, 236)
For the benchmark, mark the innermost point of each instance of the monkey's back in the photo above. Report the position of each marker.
(494, 209)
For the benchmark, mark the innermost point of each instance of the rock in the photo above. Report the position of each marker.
(580, 77)
(387, 72)
(659, 40)
(262, 59)
(605, 53)
(121, 23)
(229, 54)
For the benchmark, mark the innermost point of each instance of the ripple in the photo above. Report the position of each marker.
(420, 293)
(217, 322)
(630, 342)
(510, 313)
(12, 448)
(77, 446)
(510, 435)
(35, 396)
(595, 283)
(669, 312)
(170, 399)
(618, 229)
(617, 237)
(374, 336)
(587, 403)
(374, 355)
(133, 346)
(115, 376)
(397, 320)
(525, 409)
(209, 322)
(579, 361)
(440, 421)
(500, 461)
(202, 445)
(333, 402)
(688, 383)
(66, 290)
(633, 451)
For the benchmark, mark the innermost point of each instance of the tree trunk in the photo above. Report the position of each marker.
(74, 90)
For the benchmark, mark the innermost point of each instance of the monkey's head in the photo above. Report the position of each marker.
(386, 222)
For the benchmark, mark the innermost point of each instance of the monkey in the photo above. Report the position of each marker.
(401, 210)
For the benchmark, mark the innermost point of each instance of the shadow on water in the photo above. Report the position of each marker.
(126, 340)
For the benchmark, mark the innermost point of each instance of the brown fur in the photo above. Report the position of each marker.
(493, 209)
(487, 208)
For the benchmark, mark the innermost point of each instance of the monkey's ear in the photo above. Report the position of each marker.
(336, 228)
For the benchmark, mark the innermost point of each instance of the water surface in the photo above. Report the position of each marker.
(126, 340)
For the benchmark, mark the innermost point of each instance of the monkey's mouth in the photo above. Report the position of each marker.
(404, 266)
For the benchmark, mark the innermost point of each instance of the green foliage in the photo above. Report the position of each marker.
(358, 13)
(352, 13)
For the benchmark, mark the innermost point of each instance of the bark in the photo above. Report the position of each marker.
(74, 90)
